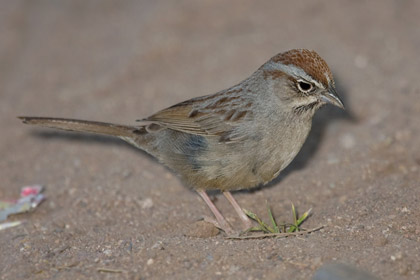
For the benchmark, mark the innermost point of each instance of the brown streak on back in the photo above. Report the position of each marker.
(238, 115)
(229, 115)
(222, 102)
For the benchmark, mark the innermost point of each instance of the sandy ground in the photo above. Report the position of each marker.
(114, 213)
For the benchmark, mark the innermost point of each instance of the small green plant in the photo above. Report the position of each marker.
(273, 229)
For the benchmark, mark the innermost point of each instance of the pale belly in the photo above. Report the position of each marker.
(205, 163)
(241, 167)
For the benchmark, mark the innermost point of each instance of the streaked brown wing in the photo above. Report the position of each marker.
(213, 115)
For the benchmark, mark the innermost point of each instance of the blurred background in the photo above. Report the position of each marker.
(119, 61)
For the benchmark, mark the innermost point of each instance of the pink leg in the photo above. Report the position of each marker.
(224, 225)
(244, 218)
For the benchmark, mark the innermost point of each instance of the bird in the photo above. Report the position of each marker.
(238, 138)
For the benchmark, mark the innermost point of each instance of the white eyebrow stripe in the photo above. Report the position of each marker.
(297, 73)
(328, 78)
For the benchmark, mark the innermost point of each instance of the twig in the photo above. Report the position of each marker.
(109, 270)
(277, 235)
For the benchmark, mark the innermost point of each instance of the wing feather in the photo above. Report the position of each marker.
(214, 115)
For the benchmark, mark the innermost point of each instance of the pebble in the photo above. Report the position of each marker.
(397, 256)
(338, 271)
(146, 203)
(158, 246)
(380, 241)
(107, 252)
(201, 229)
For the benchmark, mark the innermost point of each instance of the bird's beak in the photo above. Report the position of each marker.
(331, 96)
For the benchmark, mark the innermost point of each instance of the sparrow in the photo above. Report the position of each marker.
(235, 139)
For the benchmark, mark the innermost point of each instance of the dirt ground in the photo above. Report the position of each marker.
(114, 213)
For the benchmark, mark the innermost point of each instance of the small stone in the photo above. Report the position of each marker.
(405, 210)
(380, 241)
(150, 261)
(158, 246)
(338, 271)
(146, 203)
(108, 252)
(201, 229)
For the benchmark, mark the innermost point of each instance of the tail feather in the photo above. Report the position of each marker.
(82, 125)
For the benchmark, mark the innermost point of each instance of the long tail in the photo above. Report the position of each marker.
(122, 131)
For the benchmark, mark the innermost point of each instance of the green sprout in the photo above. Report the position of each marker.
(275, 227)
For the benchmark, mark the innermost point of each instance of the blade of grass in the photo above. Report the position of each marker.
(304, 216)
(298, 221)
(273, 221)
(294, 215)
(294, 227)
(264, 226)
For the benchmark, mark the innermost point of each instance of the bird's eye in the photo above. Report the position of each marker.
(304, 86)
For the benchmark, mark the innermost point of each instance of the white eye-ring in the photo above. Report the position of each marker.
(304, 86)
